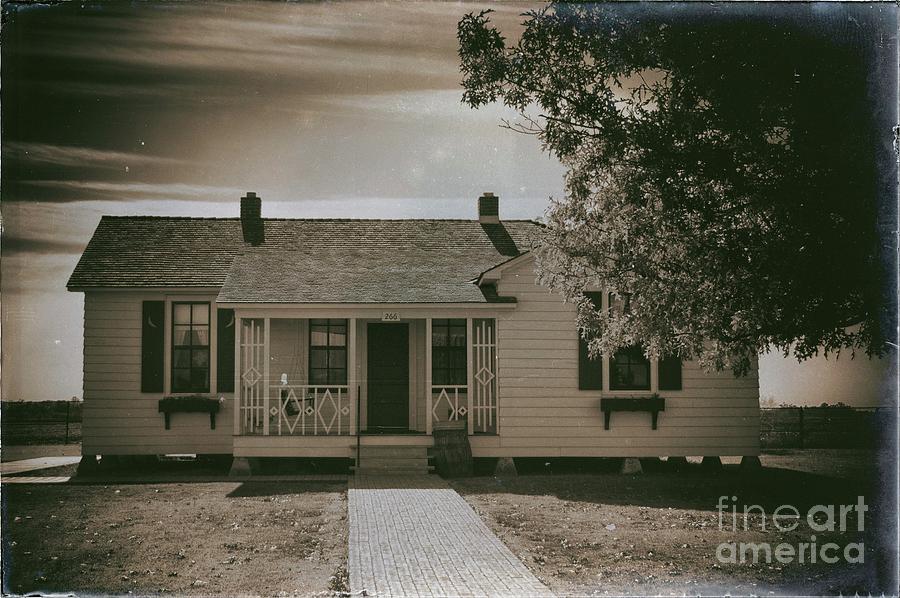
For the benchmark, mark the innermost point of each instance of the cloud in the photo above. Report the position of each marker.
(44, 246)
(108, 191)
(63, 155)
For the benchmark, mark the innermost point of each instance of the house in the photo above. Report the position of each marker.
(263, 337)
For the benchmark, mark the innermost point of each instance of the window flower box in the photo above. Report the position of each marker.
(191, 404)
(652, 404)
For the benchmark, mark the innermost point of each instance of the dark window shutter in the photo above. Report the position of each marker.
(153, 314)
(225, 350)
(590, 371)
(670, 373)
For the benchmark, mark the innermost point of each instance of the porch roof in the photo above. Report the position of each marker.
(356, 275)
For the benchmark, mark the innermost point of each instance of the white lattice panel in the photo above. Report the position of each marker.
(253, 344)
(484, 357)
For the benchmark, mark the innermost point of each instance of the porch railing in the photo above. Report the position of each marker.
(298, 410)
(449, 402)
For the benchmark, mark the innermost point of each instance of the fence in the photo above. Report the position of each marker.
(818, 427)
(41, 422)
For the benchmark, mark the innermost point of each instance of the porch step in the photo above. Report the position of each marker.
(386, 459)
(392, 472)
(392, 452)
(401, 462)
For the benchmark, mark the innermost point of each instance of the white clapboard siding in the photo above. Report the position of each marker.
(118, 418)
(544, 414)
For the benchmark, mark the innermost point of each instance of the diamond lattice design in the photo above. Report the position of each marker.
(274, 410)
(309, 411)
(484, 376)
(334, 413)
(251, 376)
(291, 398)
(345, 411)
(455, 411)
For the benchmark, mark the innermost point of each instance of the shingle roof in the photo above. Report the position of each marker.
(302, 260)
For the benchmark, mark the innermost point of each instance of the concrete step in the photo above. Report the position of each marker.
(387, 452)
(392, 471)
(394, 462)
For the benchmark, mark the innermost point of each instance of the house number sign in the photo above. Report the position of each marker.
(390, 316)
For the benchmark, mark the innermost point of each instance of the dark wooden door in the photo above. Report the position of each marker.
(388, 377)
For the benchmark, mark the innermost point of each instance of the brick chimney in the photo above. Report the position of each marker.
(251, 218)
(488, 208)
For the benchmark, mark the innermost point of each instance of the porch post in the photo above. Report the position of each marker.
(470, 388)
(237, 375)
(428, 392)
(266, 378)
(352, 379)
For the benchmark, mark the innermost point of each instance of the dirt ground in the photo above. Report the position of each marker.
(658, 532)
(202, 539)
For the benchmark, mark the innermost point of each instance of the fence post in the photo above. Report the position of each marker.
(67, 422)
(801, 428)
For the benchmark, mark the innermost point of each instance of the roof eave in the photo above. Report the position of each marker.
(492, 275)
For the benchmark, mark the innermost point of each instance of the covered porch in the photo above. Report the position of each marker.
(318, 382)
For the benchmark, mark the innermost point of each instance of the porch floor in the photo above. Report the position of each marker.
(415, 536)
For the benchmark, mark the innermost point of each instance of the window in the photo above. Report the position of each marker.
(190, 347)
(448, 352)
(629, 370)
(670, 373)
(328, 351)
(590, 370)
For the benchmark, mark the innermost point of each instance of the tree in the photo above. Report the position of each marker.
(720, 176)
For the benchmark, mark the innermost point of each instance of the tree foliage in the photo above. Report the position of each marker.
(719, 176)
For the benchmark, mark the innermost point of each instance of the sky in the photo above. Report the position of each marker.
(338, 109)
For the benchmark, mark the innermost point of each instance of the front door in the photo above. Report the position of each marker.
(388, 372)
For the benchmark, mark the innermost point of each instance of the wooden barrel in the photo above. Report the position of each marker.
(452, 452)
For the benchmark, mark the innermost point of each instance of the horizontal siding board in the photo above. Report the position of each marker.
(185, 446)
(639, 421)
(133, 324)
(112, 366)
(512, 323)
(112, 373)
(92, 341)
(312, 452)
(515, 348)
(636, 451)
(97, 349)
(554, 361)
(95, 394)
(116, 385)
(532, 335)
(111, 333)
(295, 441)
(588, 434)
(708, 442)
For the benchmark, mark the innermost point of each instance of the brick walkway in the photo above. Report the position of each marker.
(414, 536)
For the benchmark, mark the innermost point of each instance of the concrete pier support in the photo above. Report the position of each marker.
(505, 468)
(240, 466)
(631, 465)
